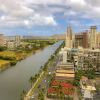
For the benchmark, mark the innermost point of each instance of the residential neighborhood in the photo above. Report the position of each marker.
(74, 75)
(49, 49)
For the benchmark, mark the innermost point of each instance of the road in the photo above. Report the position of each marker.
(44, 84)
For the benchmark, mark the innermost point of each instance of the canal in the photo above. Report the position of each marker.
(15, 79)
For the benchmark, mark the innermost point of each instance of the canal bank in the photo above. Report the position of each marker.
(15, 79)
(5, 64)
(35, 81)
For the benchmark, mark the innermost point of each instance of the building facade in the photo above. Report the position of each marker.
(13, 41)
(2, 40)
(93, 37)
(98, 40)
(69, 37)
(81, 40)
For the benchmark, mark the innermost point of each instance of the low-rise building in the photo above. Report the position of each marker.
(13, 41)
(10, 45)
(85, 56)
(65, 72)
(93, 56)
(2, 40)
(87, 88)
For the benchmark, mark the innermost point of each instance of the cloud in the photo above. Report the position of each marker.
(86, 8)
(30, 13)
(16, 13)
(94, 3)
(43, 20)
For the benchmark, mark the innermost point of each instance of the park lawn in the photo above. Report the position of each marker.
(20, 56)
(12, 54)
(3, 62)
(7, 53)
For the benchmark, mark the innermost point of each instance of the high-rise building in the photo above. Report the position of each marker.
(98, 40)
(93, 35)
(81, 40)
(69, 32)
(69, 37)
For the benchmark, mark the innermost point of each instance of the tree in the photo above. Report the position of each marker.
(32, 80)
(90, 66)
(79, 74)
(90, 74)
(40, 96)
(2, 48)
(76, 83)
(23, 94)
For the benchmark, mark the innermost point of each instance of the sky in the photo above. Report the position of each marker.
(47, 17)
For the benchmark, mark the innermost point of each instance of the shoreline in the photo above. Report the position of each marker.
(42, 74)
(12, 64)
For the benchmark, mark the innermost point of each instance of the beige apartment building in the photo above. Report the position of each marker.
(94, 38)
(69, 37)
(98, 40)
(93, 35)
(2, 40)
(13, 41)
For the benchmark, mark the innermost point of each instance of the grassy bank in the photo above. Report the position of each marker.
(27, 48)
(4, 64)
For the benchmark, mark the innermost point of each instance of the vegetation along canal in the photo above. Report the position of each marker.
(15, 79)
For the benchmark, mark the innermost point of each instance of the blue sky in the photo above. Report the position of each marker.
(47, 17)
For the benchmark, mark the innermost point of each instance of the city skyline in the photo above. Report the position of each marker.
(47, 17)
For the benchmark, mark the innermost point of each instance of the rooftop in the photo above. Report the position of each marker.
(65, 75)
(65, 71)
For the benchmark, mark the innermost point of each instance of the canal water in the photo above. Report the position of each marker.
(15, 79)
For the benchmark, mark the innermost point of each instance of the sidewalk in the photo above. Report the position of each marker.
(27, 97)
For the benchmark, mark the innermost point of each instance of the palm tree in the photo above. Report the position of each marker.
(45, 69)
(41, 67)
(23, 94)
(79, 74)
(40, 96)
(36, 75)
(32, 80)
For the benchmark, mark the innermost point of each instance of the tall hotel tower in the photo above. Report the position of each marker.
(93, 35)
(69, 37)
